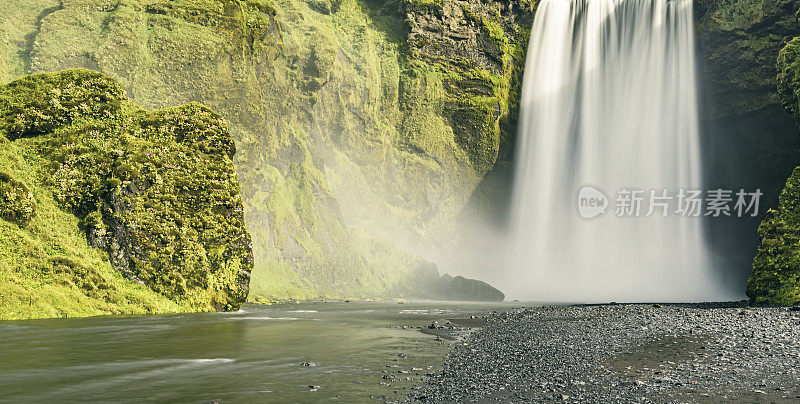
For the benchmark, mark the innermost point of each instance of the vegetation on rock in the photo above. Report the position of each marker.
(789, 77)
(776, 268)
(749, 140)
(156, 191)
(462, 289)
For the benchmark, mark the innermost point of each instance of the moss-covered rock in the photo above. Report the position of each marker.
(776, 267)
(739, 43)
(789, 77)
(465, 61)
(157, 191)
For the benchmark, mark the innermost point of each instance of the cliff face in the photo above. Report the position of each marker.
(749, 140)
(776, 270)
(750, 72)
(357, 122)
(155, 193)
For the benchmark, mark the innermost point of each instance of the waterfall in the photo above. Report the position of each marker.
(609, 101)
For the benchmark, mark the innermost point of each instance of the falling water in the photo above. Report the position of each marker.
(609, 101)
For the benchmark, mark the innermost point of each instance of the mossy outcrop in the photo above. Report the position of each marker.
(156, 191)
(470, 56)
(739, 41)
(347, 138)
(776, 267)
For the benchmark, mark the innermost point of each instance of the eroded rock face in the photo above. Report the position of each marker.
(157, 190)
(739, 42)
(478, 48)
(776, 267)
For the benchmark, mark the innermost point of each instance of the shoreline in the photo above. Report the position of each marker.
(658, 352)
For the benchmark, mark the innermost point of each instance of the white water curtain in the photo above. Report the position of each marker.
(610, 101)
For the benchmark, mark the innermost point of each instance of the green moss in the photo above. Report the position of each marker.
(739, 14)
(44, 265)
(156, 190)
(17, 204)
(435, 5)
(776, 267)
(789, 77)
(478, 97)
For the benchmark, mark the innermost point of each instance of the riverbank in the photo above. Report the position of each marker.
(624, 353)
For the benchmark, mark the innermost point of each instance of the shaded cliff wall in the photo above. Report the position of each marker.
(750, 140)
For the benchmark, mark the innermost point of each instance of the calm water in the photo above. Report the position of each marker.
(361, 350)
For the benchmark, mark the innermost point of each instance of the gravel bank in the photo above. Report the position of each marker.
(623, 353)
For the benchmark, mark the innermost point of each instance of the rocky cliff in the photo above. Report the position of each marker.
(749, 51)
(750, 140)
(110, 208)
(362, 125)
(776, 271)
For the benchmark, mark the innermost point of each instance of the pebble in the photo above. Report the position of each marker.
(623, 353)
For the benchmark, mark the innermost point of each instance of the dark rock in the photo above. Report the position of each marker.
(460, 288)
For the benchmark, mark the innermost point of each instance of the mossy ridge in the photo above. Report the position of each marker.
(117, 168)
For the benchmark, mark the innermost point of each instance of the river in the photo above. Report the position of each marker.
(263, 353)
